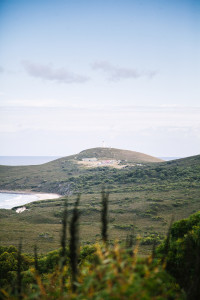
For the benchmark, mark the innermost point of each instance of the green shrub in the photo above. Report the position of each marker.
(112, 274)
(8, 265)
(183, 254)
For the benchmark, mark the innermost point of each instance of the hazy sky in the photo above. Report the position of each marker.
(74, 73)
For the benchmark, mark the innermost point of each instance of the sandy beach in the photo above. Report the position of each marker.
(21, 202)
(40, 196)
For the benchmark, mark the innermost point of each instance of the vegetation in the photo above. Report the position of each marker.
(65, 176)
(96, 272)
(144, 195)
(183, 255)
(149, 212)
(90, 263)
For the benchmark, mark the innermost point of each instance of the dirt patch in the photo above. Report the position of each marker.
(102, 163)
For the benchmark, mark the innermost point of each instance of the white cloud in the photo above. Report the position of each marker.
(91, 118)
(48, 72)
(155, 130)
(116, 73)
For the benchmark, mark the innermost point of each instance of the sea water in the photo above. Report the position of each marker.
(10, 200)
(25, 160)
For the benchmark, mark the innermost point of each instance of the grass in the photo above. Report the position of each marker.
(111, 272)
(64, 174)
(139, 209)
(144, 197)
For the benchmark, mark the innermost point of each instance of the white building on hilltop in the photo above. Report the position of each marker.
(89, 159)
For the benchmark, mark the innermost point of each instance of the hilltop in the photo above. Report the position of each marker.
(58, 175)
(118, 154)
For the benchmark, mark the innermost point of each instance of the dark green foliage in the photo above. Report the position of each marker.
(104, 272)
(49, 262)
(64, 235)
(36, 259)
(130, 241)
(87, 253)
(74, 242)
(183, 254)
(109, 272)
(166, 245)
(114, 274)
(19, 270)
(12, 263)
(8, 264)
(104, 215)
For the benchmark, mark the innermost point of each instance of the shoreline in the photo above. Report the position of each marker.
(39, 195)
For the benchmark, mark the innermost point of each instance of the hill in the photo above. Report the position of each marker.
(143, 196)
(118, 154)
(59, 174)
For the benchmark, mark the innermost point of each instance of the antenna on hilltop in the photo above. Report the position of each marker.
(103, 144)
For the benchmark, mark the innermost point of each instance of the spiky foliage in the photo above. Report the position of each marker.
(153, 249)
(130, 239)
(74, 243)
(19, 270)
(117, 275)
(104, 215)
(36, 259)
(64, 235)
(167, 242)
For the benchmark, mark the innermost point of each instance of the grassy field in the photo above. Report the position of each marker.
(149, 213)
(143, 198)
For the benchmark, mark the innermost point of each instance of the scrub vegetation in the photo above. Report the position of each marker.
(144, 197)
(103, 270)
(113, 243)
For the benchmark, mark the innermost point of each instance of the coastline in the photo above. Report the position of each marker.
(39, 195)
(21, 206)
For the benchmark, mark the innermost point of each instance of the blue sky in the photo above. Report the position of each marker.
(75, 73)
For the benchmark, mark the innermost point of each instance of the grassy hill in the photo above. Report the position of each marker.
(142, 196)
(60, 175)
(118, 154)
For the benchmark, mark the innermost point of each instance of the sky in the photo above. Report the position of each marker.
(76, 73)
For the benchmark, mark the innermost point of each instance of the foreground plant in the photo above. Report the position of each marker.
(108, 273)
(182, 257)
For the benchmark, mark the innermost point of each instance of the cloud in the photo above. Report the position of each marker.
(48, 72)
(116, 73)
(1, 69)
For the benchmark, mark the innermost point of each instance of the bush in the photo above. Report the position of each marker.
(8, 265)
(183, 255)
(113, 274)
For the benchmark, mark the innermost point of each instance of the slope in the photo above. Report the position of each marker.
(141, 197)
(58, 175)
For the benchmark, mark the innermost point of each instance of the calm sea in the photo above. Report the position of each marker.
(25, 160)
(10, 200)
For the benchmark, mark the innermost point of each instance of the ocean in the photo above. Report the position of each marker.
(25, 160)
(10, 200)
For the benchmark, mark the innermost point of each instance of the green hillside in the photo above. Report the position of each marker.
(66, 175)
(61, 175)
(143, 197)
